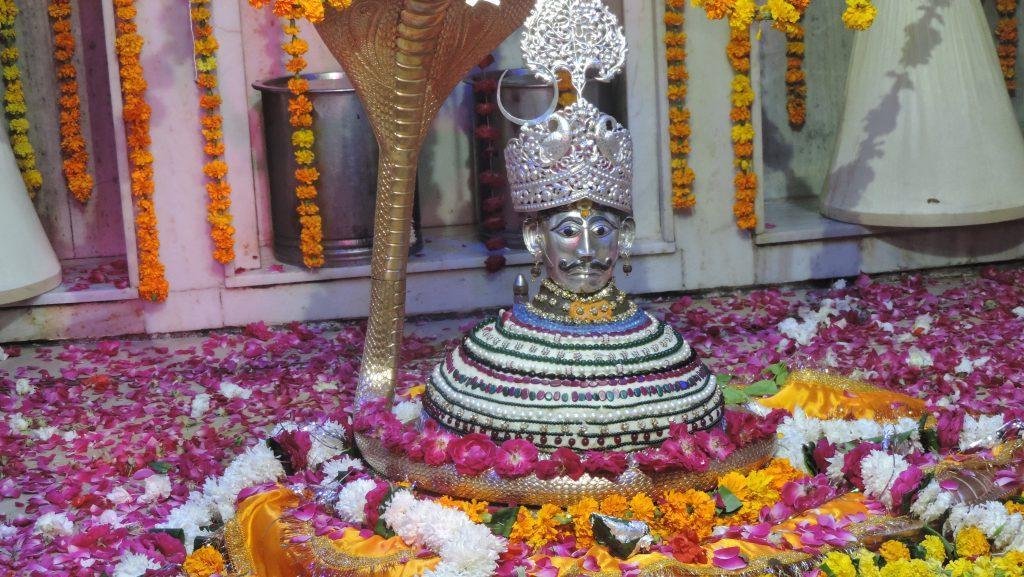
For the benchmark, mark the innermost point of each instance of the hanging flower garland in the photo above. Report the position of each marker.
(745, 180)
(678, 115)
(152, 282)
(301, 108)
(796, 78)
(72, 143)
(1006, 40)
(218, 190)
(14, 100)
(785, 16)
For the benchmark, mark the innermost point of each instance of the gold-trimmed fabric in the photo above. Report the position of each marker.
(261, 543)
(825, 396)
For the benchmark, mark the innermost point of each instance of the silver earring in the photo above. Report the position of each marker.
(627, 267)
(536, 268)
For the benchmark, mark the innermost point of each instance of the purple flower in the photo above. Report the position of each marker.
(729, 558)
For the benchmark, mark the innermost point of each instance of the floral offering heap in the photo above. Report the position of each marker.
(124, 438)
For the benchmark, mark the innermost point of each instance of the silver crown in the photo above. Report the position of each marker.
(578, 152)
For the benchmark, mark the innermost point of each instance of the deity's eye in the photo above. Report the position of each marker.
(601, 229)
(568, 230)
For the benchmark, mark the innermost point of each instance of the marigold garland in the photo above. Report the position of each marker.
(738, 51)
(216, 169)
(14, 100)
(152, 283)
(301, 108)
(785, 16)
(679, 115)
(1006, 42)
(796, 78)
(72, 143)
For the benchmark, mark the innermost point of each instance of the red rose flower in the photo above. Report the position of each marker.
(686, 548)
(515, 458)
(564, 461)
(609, 464)
(472, 454)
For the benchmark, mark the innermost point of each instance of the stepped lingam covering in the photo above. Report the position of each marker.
(542, 372)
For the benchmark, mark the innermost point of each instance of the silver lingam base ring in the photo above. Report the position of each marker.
(561, 491)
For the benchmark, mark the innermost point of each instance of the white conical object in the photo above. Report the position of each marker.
(929, 137)
(28, 265)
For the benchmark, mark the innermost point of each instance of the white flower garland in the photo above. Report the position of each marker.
(798, 430)
(256, 466)
(134, 565)
(466, 549)
(880, 470)
(351, 501)
(1004, 529)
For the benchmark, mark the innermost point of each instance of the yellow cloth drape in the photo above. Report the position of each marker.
(825, 396)
(262, 545)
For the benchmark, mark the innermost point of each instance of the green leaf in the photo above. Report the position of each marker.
(502, 521)
(765, 388)
(950, 549)
(201, 542)
(735, 396)
(160, 467)
(382, 529)
(777, 368)
(723, 379)
(730, 502)
(827, 570)
(809, 458)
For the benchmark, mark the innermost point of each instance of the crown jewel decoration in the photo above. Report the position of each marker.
(578, 152)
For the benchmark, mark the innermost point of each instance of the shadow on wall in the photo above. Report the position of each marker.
(921, 39)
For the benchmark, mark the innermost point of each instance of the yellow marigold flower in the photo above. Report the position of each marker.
(859, 14)
(33, 179)
(908, 568)
(1011, 564)
(839, 565)
(204, 562)
(866, 563)
(782, 11)
(742, 14)
(959, 567)
(971, 542)
(743, 132)
(893, 551)
(673, 19)
(303, 138)
(1014, 507)
(934, 550)
(304, 156)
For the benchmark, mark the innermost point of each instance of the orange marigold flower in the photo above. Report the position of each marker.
(307, 175)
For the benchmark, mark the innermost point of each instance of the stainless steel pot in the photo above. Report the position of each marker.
(346, 153)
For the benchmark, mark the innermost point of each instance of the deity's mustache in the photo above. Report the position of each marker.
(597, 265)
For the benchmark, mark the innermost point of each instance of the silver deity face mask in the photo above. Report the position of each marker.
(580, 244)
